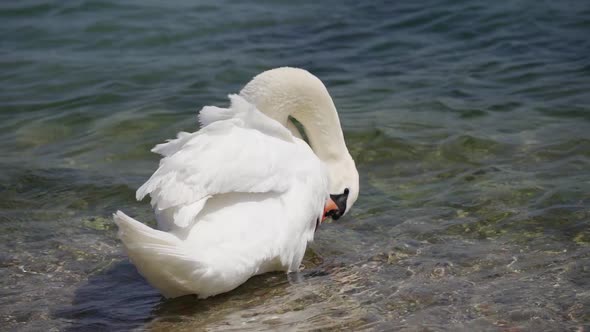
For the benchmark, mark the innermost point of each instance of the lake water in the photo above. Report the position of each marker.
(469, 122)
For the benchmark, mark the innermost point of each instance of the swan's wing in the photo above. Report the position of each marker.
(173, 145)
(238, 150)
(240, 113)
(246, 115)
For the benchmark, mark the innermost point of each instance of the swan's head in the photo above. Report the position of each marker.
(344, 187)
(291, 92)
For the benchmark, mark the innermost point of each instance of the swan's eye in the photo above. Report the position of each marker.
(346, 191)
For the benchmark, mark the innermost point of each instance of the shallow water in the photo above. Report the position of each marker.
(469, 122)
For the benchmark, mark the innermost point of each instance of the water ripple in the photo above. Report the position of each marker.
(468, 122)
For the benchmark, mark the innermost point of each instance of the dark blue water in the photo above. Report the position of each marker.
(469, 122)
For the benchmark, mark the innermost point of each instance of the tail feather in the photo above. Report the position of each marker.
(159, 256)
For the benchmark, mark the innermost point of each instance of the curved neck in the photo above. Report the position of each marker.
(285, 92)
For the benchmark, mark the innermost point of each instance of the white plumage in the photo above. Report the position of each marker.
(240, 197)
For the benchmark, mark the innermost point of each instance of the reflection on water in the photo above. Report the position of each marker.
(469, 124)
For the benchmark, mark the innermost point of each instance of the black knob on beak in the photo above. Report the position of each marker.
(340, 200)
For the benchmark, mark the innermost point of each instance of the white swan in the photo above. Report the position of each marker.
(243, 195)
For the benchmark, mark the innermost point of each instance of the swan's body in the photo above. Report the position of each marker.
(243, 195)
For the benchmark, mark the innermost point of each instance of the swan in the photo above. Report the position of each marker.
(244, 194)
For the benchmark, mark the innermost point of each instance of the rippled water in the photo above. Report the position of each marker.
(470, 124)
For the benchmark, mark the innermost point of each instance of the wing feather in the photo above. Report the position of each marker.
(239, 149)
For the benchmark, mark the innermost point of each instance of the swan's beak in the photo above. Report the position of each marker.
(331, 210)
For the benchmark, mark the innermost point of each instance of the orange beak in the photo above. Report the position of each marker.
(330, 205)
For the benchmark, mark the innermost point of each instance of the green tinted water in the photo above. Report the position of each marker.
(469, 123)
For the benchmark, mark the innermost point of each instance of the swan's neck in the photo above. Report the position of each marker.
(296, 93)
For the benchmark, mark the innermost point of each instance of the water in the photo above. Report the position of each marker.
(470, 124)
